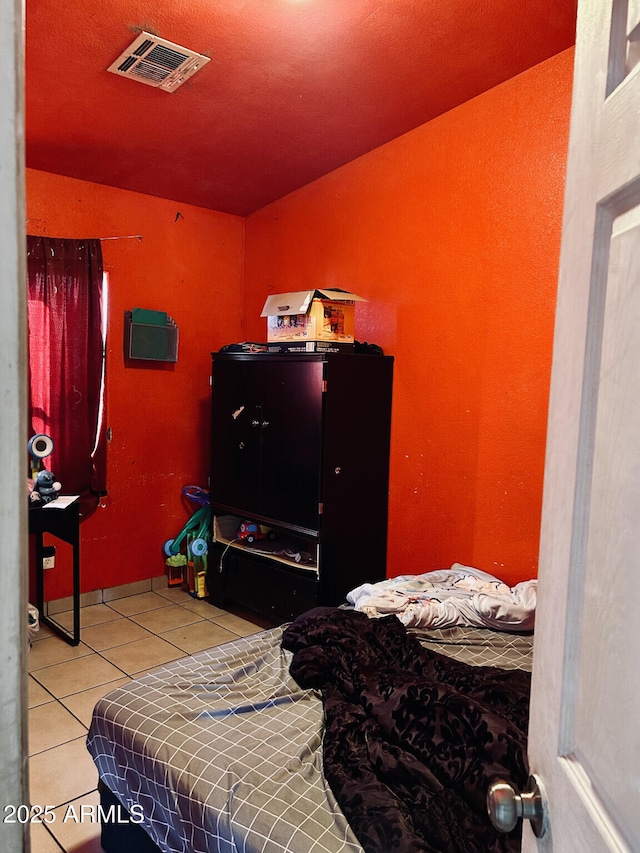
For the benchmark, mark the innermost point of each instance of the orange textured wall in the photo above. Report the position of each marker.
(189, 264)
(452, 232)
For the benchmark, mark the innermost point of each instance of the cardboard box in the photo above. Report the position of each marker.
(302, 345)
(311, 315)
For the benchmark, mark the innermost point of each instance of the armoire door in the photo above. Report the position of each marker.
(235, 436)
(267, 437)
(291, 434)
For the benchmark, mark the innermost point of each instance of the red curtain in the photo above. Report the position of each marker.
(66, 361)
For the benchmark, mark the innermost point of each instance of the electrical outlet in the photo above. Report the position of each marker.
(48, 562)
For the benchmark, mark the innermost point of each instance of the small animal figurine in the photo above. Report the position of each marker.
(45, 487)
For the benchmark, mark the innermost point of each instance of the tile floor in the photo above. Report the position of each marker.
(119, 640)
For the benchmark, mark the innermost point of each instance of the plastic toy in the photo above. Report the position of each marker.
(40, 446)
(42, 485)
(186, 555)
(197, 495)
(45, 487)
(249, 531)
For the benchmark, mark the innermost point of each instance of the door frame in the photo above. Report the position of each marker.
(13, 450)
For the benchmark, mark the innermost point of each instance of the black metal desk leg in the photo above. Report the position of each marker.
(62, 523)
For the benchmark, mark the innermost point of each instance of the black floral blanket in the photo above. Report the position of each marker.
(412, 738)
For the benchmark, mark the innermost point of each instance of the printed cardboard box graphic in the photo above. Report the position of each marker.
(311, 315)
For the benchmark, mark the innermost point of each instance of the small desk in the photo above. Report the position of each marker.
(62, 522)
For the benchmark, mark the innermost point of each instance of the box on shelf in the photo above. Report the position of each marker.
(311, 315)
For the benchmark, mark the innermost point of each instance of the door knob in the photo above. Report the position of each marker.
(506, 807)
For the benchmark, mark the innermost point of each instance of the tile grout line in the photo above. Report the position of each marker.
(91, 652)
(182, 653)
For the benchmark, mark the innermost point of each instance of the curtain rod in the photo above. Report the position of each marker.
(127, 237)
(123, 237)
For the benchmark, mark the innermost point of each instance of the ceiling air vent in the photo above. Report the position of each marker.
(158, 62)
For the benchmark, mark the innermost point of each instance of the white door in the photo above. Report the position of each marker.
(585, 715)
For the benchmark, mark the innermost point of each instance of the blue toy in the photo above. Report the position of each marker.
(45, 487)
(193, 542)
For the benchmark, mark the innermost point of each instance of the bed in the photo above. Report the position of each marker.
(342, 731)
